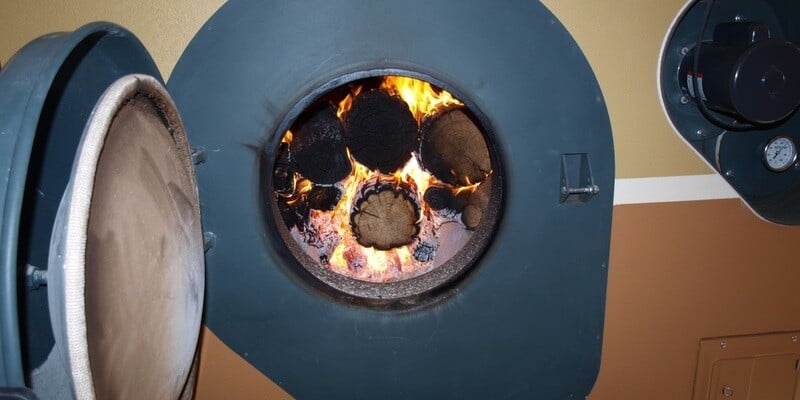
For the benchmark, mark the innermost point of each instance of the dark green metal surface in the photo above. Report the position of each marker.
(527, 321)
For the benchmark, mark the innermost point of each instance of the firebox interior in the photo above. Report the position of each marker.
(381, 182)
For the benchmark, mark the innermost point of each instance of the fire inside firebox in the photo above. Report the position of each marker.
(383, 179)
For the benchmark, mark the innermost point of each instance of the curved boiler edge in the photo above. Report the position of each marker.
(528, 320)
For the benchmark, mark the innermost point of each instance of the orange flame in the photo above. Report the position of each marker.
(348, 257)
(380, 265)
(301, 187)
(287, 138)
(421, 97)
(347, 102)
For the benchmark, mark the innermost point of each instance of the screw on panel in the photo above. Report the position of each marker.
(684, 51)
(209, 240)
(728, 391)
(723, 344)
(794, 338)
(729, 173)
(699, 132)
(738, 17)
(684, 100)
(198, 155)
(35, 277)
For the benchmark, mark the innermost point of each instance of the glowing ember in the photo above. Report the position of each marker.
(349, 257)
(327, 235)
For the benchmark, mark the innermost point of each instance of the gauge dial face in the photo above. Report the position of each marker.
(780, 153)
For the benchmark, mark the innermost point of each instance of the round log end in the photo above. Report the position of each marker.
(380, 131)
(385, 217)
(319, 150)
(454, 149)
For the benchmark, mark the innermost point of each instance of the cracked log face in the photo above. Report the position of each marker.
(454, 149)
(386, 216)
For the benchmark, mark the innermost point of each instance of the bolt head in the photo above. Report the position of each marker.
(728, 391)
(684, 51)
(723, 344)
(684, 100)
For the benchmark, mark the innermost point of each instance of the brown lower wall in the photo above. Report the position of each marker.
(679, 272)
(223, 374)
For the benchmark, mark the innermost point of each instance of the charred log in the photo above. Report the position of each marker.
(477, 202)
(319, 149)
(324, 198)
(453, 148)
(385, 216)
(283, 174)
(380, 131)
(442, 197)
(295, 214)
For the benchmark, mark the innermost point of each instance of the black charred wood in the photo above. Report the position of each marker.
(324, 198)
(424, 251)
(442, 197)
(438, 197)
(295, 214)
(454, 149)
(283, 174)
(318, 148)
(380, 131)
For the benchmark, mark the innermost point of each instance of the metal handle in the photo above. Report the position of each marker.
(590, 189)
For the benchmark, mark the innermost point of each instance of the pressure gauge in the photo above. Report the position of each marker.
(780, 153)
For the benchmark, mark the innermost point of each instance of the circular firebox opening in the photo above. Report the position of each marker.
(386, 187)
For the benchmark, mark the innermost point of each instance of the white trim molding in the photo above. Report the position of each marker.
(671, 189)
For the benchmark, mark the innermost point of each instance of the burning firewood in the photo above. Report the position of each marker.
(442, 197)
(295, 214)
(477, 202)
(283, 174)
(318, 148)
(380, 131)
(385, 216)
(324, 198)
(453, 148)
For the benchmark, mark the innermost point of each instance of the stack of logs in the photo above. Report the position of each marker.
(381, 133)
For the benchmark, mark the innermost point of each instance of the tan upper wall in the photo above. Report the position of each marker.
(164, 26)
(621, 39)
